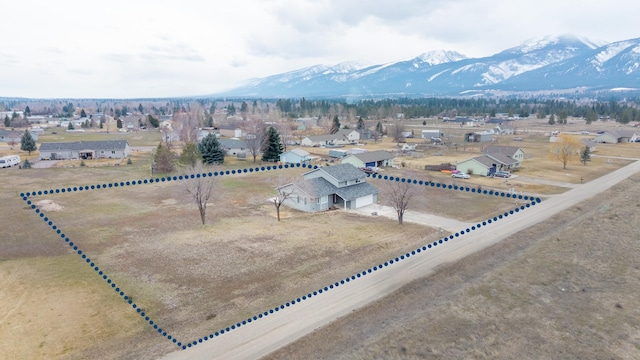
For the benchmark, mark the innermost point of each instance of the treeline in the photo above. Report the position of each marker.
(622, 111)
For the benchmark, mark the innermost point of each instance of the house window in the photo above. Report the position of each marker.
(113, 151)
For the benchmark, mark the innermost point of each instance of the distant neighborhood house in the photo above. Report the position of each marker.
(494, 158)
(342, 137)
(616, 136)
(15, 135)
(233, 146)
(295, 156)
(370, 159)
(109, 149)
(342, 186)
(513, 152)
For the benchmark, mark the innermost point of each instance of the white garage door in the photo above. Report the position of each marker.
(363, 201)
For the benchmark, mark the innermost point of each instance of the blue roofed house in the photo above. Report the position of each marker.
(295, 156)
(340, 186)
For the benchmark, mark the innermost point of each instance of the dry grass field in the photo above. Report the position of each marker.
(564, 289)
(191, 279)
(194, 280)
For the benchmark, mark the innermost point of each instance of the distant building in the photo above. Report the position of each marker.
(295, 156)
(106, 149)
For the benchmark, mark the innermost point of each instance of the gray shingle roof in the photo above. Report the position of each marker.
(84, 145)
(506, 150)
(372, 156)
(299, 152)
(343, 172)
(322, 187)
(232, 143)
(621, 133)
(502, 158)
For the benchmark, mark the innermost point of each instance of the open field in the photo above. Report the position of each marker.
(566, 288)
(57, 307)
(240, 264)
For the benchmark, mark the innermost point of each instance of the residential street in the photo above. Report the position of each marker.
(259, 338)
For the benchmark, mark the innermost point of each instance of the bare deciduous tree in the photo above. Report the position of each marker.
(199, 186)
(284, 193)
(254, 138)
(187, 125)
(291, 188)
(285, 129)
(396, 131)
(398, 195)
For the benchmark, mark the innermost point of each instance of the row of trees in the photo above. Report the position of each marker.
(211, 152)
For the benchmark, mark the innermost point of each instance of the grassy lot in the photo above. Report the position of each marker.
(196, 279)
(239, 264)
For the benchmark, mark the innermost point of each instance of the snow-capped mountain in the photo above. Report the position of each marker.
(541, 64)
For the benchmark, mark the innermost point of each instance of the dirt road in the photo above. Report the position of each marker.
(268, 334)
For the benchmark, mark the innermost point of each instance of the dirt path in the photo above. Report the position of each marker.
(270, 333)
(435, 221)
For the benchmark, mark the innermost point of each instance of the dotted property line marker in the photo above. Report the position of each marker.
(185, 345)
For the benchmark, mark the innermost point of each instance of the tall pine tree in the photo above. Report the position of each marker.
(211, 151)
(273, 147)
(335, 127)
(27, 143)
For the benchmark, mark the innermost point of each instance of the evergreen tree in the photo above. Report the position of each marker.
(562, 117)
(27, 143)
(585, 156)
(83, 113)
(552, 120)
(190, 155)
(360, 124)
(379, 128)
(70, 126)
(163, 159)
(273, 147)
(153, 121)
(27, 111)
(335, 127)
(119, 123)
(7, 121)
(211, 151)
(209, 121)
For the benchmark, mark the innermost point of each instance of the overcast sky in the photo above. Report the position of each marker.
(163, 48)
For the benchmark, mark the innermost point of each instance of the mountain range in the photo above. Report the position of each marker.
(550, 64)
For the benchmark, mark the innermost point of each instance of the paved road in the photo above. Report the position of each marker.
(268, 334)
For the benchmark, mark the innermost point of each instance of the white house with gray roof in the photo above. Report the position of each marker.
(342, 137)
(106, 149)
(295, 156)
(341, 186)
(616, 136)
(370, 159)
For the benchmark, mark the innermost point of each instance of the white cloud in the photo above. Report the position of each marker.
(72, 48)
